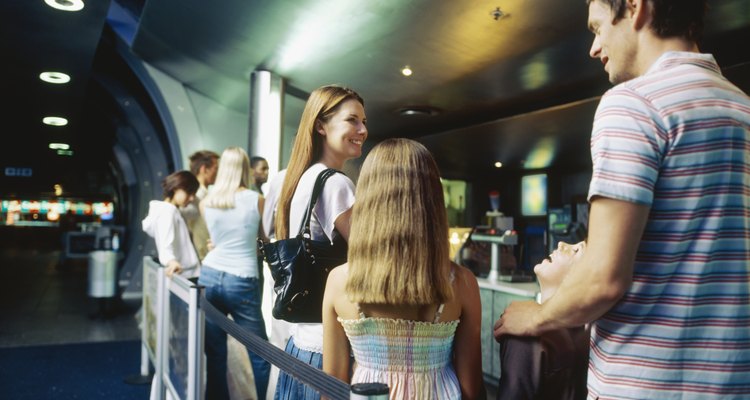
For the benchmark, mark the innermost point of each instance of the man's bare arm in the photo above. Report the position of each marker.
(596, 282)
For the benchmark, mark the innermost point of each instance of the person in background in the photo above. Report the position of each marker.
(554, 365)
(230, 270)
(68, 223)
(332, 130)
(665, 275)
(203, 164)
(272, 198)
(411, 317)
(259, 170)
(166, 225)
(259, 165)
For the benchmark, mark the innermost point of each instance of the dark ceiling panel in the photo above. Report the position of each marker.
(498, 86)
(36, 38)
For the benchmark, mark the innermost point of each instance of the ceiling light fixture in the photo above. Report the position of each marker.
(65, 5)
(497, 13)
(54, 77)
(55, 121)
(406, 71)
(419, 110)
(65, 152)
(498, 164)
(59, 146)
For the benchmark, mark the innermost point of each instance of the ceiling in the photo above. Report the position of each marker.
(496, 86)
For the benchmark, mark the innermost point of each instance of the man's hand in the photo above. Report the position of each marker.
(519, 319)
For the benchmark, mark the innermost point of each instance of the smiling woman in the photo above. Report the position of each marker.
(331, 131)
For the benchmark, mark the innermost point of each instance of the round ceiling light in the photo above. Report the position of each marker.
(55, 121)
(65, 5)
(59, 146)
(406, 71)
(54, 77)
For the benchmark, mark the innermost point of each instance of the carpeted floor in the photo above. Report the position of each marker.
(72, 371)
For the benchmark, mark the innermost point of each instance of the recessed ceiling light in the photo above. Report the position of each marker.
(65, 5)
(497, 13)
(498, 164)
(54, 77)
(406, 71)
(419, 110)
(55, 121)
(59, 146)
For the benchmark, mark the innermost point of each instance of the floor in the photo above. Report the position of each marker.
(42, 303)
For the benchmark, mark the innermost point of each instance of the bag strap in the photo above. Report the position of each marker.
(304, 229)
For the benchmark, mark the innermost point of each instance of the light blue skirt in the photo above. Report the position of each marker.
(288, 388)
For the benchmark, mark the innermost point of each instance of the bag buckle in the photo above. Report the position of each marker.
(261, 247)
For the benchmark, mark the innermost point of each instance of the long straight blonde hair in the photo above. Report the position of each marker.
(398, 244)
(233, 173)
(308, 145)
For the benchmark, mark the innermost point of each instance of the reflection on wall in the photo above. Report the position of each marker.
(534, 195)
(454, 194)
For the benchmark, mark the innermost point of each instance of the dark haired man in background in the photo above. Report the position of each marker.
(259, 165)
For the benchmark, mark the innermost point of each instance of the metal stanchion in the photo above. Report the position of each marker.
(196, 326)
(161, 336)
(369, 391)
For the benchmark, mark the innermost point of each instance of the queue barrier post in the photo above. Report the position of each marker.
(369, 391)
(183, 339)
(161, 333)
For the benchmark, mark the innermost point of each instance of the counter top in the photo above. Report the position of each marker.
(527, 289)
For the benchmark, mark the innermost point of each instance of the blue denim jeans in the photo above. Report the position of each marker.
(240, 298)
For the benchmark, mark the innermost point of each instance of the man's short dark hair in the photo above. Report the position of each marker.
(254, 160)
(202, 158)
(671, 18)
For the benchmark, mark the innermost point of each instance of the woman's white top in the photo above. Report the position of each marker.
(234, 232)
(337, 197)
(165, 224)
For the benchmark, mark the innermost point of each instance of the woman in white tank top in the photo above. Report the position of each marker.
(230, 270)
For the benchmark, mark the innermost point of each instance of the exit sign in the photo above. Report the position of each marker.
(19, 171)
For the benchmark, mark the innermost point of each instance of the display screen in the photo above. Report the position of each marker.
(534, 195)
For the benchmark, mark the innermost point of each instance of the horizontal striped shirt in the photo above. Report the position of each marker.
(678, 140)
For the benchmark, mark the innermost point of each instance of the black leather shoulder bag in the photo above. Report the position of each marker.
(300, 266)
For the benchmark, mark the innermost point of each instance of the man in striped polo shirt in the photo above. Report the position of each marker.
(665, 277)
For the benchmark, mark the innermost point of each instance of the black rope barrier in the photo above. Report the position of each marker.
(325, 384)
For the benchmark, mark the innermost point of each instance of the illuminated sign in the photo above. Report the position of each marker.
(78, 207)
(19, 171)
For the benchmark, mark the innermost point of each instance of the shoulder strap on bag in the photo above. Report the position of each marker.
(304, 229)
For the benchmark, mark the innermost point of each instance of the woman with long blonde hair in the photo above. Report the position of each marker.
(231, 274)
(332, 130)
(410, 316)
